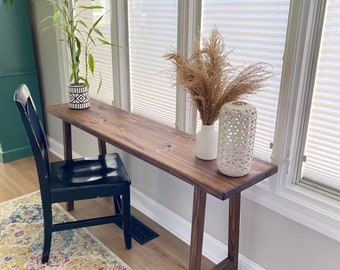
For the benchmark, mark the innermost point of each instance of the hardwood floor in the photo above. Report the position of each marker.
(166, 252)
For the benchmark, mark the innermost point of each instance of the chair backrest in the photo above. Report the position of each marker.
(35, 134)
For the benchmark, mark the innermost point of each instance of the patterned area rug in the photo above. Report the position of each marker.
(21, 238)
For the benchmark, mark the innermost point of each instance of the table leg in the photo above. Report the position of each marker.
(234, 229)
(102, 147)
(197, 228)
(231, 263)
(117, 200)
(67, 140)
(67, 152)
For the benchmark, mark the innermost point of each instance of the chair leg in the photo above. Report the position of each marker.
(118, 207)
(126, 220)
(118, 204)
(47, 234)
(47, 245)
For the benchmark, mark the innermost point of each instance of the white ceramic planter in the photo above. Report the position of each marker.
(206, 142)
(78, 97)
(237, 126)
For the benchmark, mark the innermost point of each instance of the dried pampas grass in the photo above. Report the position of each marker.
(211, 80)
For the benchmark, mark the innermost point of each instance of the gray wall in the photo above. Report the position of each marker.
(267, 238)
(47, 62)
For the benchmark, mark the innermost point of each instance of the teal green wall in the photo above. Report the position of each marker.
(17, 66)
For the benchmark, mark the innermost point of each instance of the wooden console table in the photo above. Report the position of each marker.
(174, 152)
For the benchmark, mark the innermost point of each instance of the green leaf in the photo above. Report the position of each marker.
(78, 51)
(90, 61)
(82, 23)
(96, 22)
(56, 16)
(86, 82)
(98, 32)
(106, 42)
(91, 7)
(100, 85)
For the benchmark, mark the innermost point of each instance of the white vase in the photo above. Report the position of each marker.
(206, 142)
(78, 97)
(237, 126)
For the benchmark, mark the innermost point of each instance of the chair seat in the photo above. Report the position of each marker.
(79, 178)
(83, 171)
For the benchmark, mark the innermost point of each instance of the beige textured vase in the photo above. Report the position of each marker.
(237, 126)
(78, 97)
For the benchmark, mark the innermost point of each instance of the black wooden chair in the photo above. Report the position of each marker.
(72, 180)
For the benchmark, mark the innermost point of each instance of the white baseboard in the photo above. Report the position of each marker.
(57, 148)
(213, 249)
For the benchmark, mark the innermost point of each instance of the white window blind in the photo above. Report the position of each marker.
(152, 31)
(102, 53)
(322, 158)
(256, 32)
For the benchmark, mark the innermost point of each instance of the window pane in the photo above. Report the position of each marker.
(102, 53)
(256, 32)
(322, 145)
(152, 30)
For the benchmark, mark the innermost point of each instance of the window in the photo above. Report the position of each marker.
(291, 192)
(321, 159)
(152, 29)
(312, 99)
(254, 31)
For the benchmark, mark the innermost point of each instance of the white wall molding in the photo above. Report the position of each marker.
(57, 148)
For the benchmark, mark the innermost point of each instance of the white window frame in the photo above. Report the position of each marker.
(283, 193)
(189, 15)
(120, 56)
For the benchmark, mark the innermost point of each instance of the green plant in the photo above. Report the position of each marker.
(81, 38)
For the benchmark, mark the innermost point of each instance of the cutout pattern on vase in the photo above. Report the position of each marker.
(236, 138)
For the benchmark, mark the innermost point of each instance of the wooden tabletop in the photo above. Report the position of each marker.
(167, 148)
